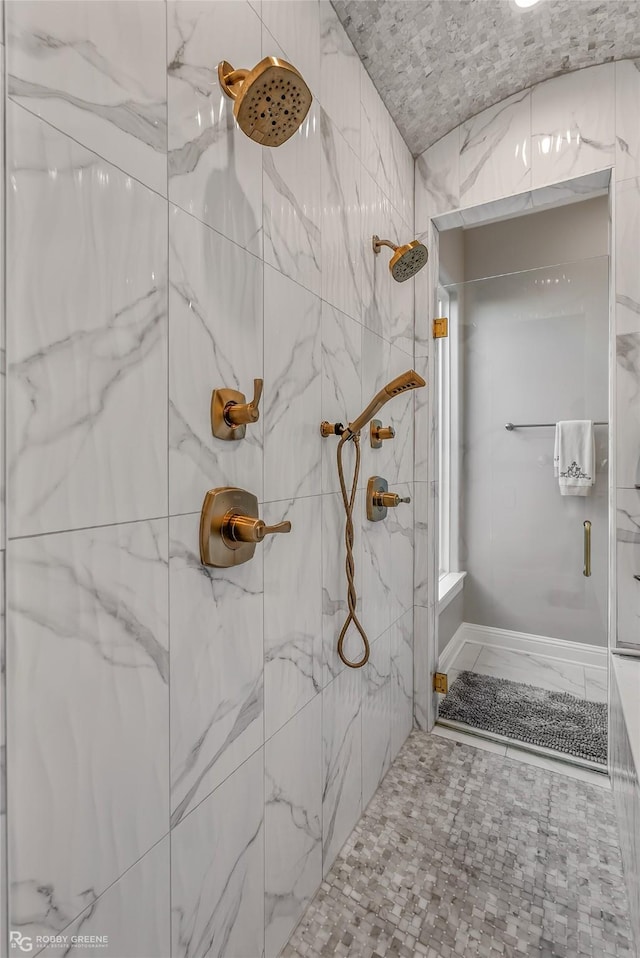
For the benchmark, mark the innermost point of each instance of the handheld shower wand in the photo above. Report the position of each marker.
(408, 380)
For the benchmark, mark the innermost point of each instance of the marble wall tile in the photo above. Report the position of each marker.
(213, 282)
(376, 717)
(382, 362)
(400, 329)
(340, 73)
(422, 422)
(78, 66)
(627, 237)
(267, 629)
(292, 405)
(341, 241)
(292, 201)
(628, 408)
(216, 667)
(377, 588)
(387, 565)
(403, 200)
(401, 529)
(2, 308)
(384, 153)
(342, 757)
(134, 913)
(292, 610)
(295, 25)
(572, 124)
(376, 277)
(214, 170)
(421, 492)
(90, 347)
(433, 521)
(438, 179)
(88, 714)
(217, 870)
(341, 387)
(401, 681)
(293, 823)
(423, 655)
(425, 287)
(628, 565)
(334, 580)
(495, 151)
(627, 119)
(387, 305)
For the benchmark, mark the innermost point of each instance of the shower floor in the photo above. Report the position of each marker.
(466, 852)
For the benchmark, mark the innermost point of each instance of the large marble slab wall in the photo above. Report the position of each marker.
(3, 791)
(187, 752)
(561, 129)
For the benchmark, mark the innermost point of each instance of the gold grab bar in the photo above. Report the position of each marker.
(587, 548)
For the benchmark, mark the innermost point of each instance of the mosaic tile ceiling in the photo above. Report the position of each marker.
(438, 62)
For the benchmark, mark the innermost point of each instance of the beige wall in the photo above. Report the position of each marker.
(449, 621)
(565, 234)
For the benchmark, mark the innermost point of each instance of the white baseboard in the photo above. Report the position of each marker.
(451, 649)
(576, 652)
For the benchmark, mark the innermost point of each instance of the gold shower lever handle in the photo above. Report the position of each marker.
(231, 413)
(230, 527)
(239, 414)
(247, 529)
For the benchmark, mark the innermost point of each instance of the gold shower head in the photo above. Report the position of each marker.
(271, 101)
(407, 260)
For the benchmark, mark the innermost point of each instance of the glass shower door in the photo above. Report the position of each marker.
(532, 349)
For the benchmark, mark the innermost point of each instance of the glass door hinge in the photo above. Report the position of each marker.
(441, 327)
(440, 683)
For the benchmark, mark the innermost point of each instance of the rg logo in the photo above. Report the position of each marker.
(20, 941)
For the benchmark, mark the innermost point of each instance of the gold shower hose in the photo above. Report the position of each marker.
(352, 596)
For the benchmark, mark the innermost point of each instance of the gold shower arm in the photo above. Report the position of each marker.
(228, 77)
(377, 243)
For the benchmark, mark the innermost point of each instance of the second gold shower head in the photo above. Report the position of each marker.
(406, 261)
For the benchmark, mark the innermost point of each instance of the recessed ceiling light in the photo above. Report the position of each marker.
(525, 3)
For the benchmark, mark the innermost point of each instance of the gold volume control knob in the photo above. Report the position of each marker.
(378, 433)
(389, 500)
(379, 499)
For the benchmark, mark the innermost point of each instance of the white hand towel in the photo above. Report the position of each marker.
(574, 457)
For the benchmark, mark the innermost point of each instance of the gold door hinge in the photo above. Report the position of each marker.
(440, 683)
(441, 327)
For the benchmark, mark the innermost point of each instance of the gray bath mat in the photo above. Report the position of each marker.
(554, 720)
